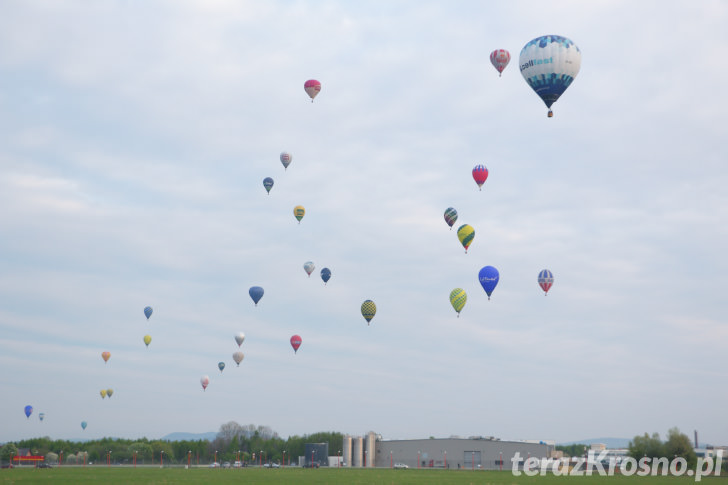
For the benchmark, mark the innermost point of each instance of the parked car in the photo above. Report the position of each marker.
(44, 465)
(214, 465)
(400, 466)
(226, 464)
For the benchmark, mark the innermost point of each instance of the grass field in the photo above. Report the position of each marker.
(148, 475)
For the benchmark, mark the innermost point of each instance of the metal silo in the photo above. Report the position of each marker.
(370, 449)
(358, 451)
(347, 450)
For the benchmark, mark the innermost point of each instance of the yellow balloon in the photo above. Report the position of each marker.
(103, 393)
(368, 310)
(466, 234)
(299, 212)
(458, 297)
(147, 340)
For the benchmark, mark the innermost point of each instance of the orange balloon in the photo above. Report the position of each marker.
(105, 356)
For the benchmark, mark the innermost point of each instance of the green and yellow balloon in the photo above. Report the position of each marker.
(458, 297)
(299, 212)
(466, 234)
(368, 310)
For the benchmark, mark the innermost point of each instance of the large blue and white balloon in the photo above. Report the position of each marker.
(488, 278)
(549, 64)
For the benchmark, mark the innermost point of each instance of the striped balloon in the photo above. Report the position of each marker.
(466, 234)
(368, 310)
(451, 216)
(545, 280)
(458, 297)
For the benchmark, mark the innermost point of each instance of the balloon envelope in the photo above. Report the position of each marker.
(500, 59)
(148, 312)
(256, 293)
(368, 310)
(545, 280)
(221, 366)
(549, 65)
(28, 411)
(240, 338)
(480, 175)
(84, 424)
(488, 277)
(205, 381)
(326, 275)
(286, 159)
(109, 392)
(41, 416)
(299, 212)
(312, 87)
(105, 356)
(451, 216)
(296, 342)
(466, 234)
(103, 393)
(308, 267)
(147, 340)
(458, 297)
(238, 357)
(268, 184)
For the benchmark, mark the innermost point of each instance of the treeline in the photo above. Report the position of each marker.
(677, 445)
(233, 441)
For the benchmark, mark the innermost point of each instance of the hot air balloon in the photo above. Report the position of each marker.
(299, 212)
(268, 184)
(549, 65)
(205, 381)
(84, 424)
(466, 235)
(451, 215)
(500, 59)
(109, 392)
(308, 267)
(480, 175)
(41, 416)
(105, 356)
(240, 338)
(147, 340)
(326, 275)
(368, 310)
(103, 393)
(256, 293)
(28, 411)
(488, 277)
(296, 343)
(221, 366)
(148, 312)
(312, 87)
(545, 280)
(458, 297)
(286, 159)
(238, 357)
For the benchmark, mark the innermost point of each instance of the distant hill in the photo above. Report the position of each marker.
(181, 436)
(610, 442)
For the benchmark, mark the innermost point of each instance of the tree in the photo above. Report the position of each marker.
(678, 444)
(7, 452)
(646, 445)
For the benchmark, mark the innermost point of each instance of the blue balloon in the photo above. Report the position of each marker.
(28, 411)
(268, 184)
(84, 424)
(326, 275)
(148, 312)
(488, 277)
(256, 293)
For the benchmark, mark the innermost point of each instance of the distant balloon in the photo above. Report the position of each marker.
(326, 275)
(147, 340)
(105, 356)
(103, 393)
(238, 357)
(545, 280)
(466, 234)
(41, 416)
(28, 411)
(312, 87)
(458, 297)
(500, 59)
(205, 381)
(84, 424)
(268, 184)
(296, 343)
(451, 215)
(240, 338)
(308, 267)
(488, 278)
(109, 392)
(368, 310)
(256, 293)
(286, 159)
(148, 312)
(299, 212)
(221, 366)
(549, 65)
(480, 175)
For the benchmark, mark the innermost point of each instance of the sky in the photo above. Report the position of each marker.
(134, 139)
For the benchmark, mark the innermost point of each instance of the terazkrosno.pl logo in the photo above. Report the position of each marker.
(604, 465)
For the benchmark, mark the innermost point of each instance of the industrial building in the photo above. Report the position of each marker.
(487, 453)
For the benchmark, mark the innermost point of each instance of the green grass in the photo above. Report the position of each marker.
(151, 475)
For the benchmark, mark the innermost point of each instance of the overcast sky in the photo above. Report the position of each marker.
(134, 138)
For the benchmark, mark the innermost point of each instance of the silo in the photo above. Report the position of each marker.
(370, 448)
(347, 450)
(358, 451)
